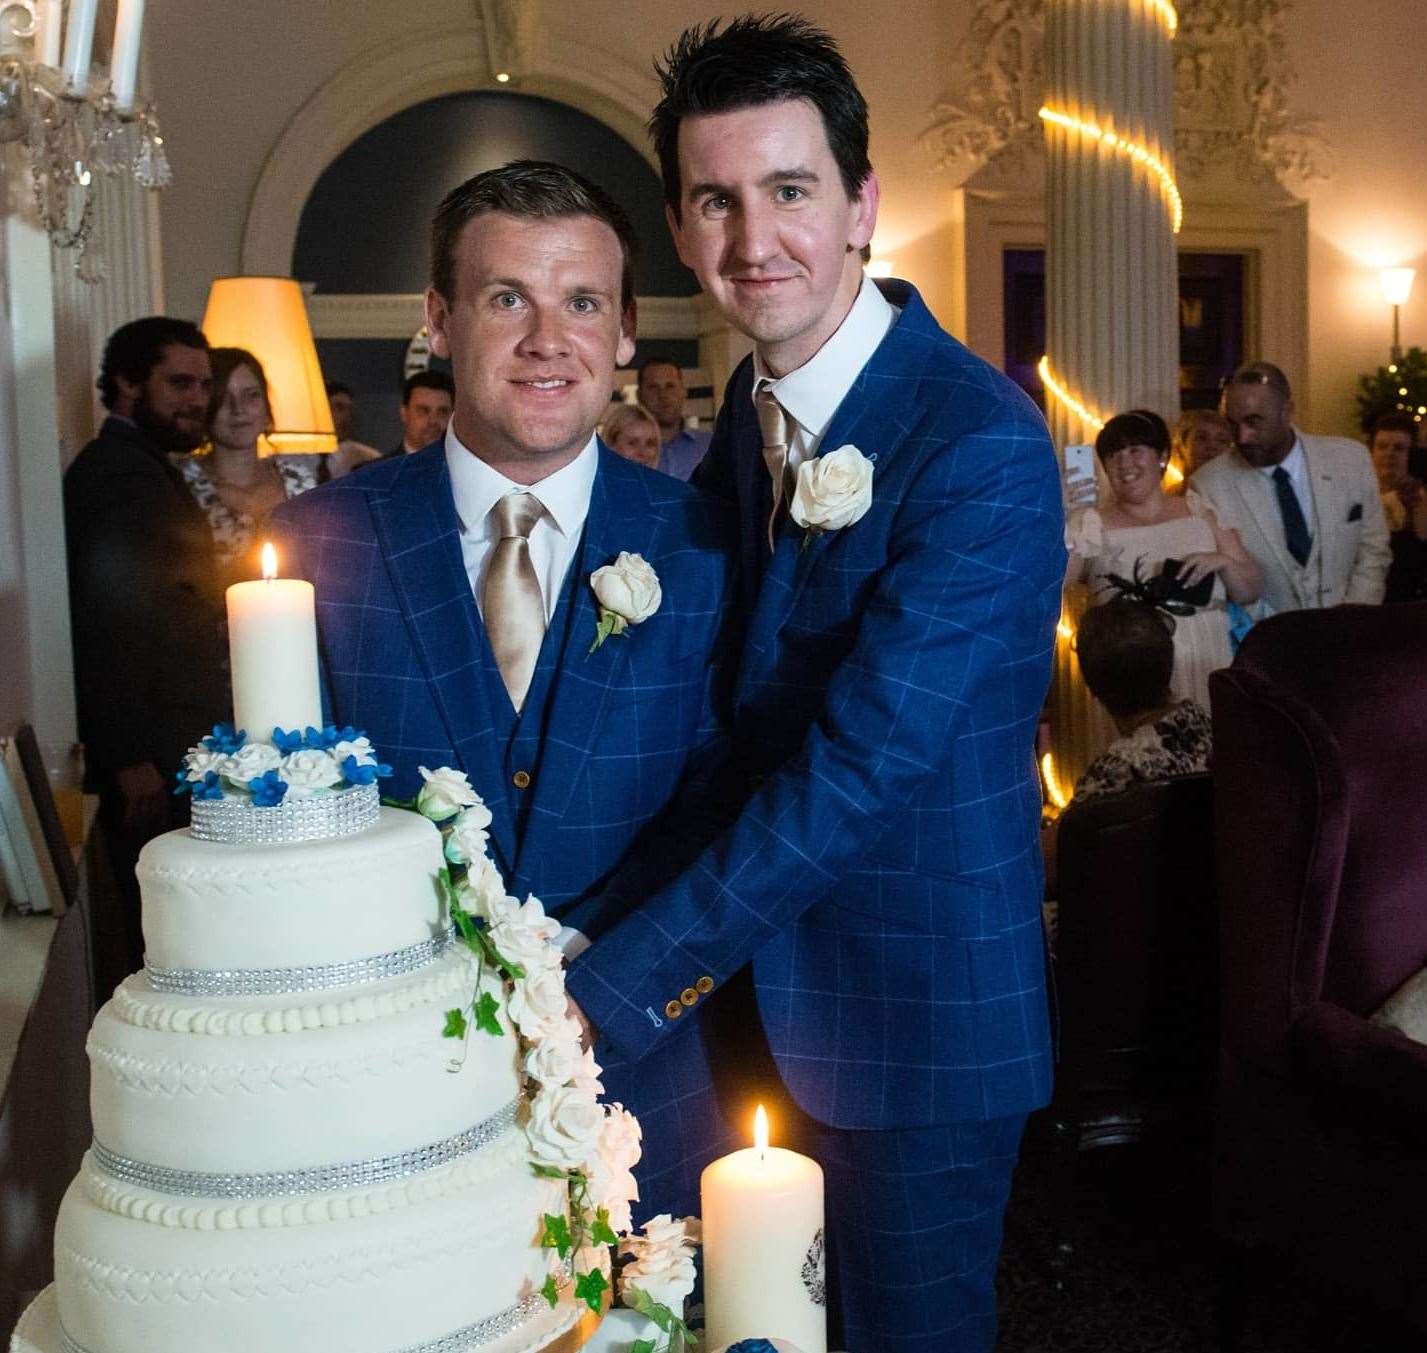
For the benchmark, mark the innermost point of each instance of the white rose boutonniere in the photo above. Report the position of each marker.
(834, 490)
(444, 793)
(628, 593)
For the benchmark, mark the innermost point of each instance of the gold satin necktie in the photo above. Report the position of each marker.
(773, 423)
(513, 606)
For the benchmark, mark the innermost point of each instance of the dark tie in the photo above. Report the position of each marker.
(1295, 530)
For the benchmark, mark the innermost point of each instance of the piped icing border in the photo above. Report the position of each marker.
(125, 1200)
(165, 1017)
(361, 1174)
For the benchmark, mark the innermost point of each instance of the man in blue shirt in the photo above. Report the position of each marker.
(661, 391)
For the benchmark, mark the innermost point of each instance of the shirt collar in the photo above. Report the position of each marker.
(565, 495)
(1295, 462)
(811, 393)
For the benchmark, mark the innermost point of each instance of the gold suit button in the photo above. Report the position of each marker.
(704, 985)
(673, 1009)
(521, 779)
(689, 996)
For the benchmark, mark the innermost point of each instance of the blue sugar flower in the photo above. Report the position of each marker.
(752, 1346)
(184, 783)
(267, 790)
(357, 774)
(225, 738)
(320, 739)
(208, 787)
(287, 742)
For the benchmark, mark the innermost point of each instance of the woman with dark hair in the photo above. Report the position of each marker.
(1127, 655)
(1163, 548)
(231, 480)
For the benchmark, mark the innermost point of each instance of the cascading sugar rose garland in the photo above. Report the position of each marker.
(593, 1147)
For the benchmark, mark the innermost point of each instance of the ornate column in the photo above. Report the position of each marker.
(1112, 211)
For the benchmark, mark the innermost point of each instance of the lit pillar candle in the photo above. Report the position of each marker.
(125, 62)
(763, 1246)
(272, 641)
(79, 43)
(49, 36)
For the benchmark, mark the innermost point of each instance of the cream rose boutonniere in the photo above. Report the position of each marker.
(833, 491)
(628, 593)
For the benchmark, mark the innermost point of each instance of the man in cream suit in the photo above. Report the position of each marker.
(1307, 508)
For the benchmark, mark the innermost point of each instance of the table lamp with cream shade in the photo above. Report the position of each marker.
(268, 317)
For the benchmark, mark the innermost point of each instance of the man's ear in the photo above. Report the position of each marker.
(438, 314)
(864, 217)
(628, 327)
(129, 392)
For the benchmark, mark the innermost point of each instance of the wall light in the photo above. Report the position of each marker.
(502, 77)
(1397, 291)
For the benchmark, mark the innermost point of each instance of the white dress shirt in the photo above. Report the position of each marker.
(555, 537)
(811, 393)
(1296, 463)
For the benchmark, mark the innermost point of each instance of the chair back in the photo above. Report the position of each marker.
(1320, 731)
(1136, 949)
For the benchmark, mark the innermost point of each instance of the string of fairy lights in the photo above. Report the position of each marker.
(1138, 153)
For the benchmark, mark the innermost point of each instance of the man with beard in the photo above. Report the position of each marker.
(145, 611)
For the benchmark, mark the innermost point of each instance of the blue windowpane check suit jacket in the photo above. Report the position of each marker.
(405, 657)
(883, 873)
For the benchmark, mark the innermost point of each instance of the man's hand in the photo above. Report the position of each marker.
(145, 796)
(587, 1030)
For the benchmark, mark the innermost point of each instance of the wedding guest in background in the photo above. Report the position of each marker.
(145, 605)
(1404, 505)
(1306, 507)
(632, 431)
(1199, 436)
(350, 453)
(1175, 546)
(235, 485)
(427, 399)
(661, 391)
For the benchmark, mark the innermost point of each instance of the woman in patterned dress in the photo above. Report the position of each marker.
(235, 485)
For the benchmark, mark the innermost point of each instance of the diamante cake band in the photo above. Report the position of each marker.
(235, 822)
(290, 981)
(458, 1341)
(319, 1179)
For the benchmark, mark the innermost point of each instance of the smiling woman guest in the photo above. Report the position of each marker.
(1173, 545)
(231, 481)
(633, 431)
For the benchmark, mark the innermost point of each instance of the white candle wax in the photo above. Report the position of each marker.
(763, 1221)
(272, 642)
(79, 43)
(124, 64)
(49, 39)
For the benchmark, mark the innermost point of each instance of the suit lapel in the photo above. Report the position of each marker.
(419, 534)
(622, 516)
(1257, 493)
(1329, 510)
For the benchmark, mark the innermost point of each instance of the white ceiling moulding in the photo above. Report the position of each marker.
(560, 62)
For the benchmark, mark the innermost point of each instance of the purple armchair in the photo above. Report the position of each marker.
(1320, 733)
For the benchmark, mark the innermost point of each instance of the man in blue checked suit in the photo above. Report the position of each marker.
(454, 603)
(882, 875)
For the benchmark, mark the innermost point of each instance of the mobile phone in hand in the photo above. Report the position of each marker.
(1082, 490)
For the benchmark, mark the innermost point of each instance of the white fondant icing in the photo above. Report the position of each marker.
(217, 906)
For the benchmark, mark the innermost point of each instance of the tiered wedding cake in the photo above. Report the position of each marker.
(288, 1156)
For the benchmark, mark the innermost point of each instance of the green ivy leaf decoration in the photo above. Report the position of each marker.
(590, 1288)
(680, 1335)
(642, 1346)
(455, 1025)
(547, 1171)
(485, 1011)
(601, 1232)
(551, 1291)
(556, 1235)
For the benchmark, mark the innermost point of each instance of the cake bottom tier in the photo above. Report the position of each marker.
(460, 1269)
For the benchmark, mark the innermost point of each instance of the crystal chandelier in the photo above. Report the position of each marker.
(74, 129)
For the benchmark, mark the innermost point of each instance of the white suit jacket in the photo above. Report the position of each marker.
(1350, 555)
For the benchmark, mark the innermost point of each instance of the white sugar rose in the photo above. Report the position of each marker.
(538, 1002)
(833, 490)
(620, 1138)
(662, 1266)
(588, 1072)
(483, 892)
(525, 935)
(466, 842)
(553, 1061)
(251, 761)
(564, 1126)
(200, 760)
(629, 588)
(308, 771)
(444, 794)
(360, 749)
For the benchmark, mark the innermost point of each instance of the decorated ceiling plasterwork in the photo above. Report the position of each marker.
(1232, 81)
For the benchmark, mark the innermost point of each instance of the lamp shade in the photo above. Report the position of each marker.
(1397, 284)
(268, 317)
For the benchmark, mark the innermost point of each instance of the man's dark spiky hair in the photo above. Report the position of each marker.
(757, 59)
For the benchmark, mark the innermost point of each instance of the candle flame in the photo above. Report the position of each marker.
(269, 562)
(760, 1130)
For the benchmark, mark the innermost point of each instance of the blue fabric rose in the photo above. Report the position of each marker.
(267, 790)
